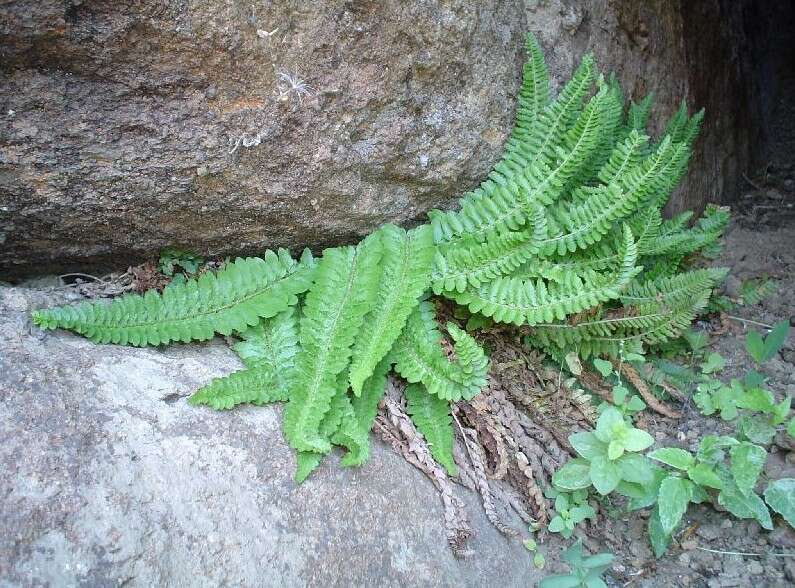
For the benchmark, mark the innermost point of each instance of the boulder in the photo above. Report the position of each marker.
(230, 127)
(110, 478)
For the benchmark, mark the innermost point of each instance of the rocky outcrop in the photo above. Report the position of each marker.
(228, 127)
(110, 478)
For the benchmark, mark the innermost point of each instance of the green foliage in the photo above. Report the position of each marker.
(586, 572)
(419, 357)
(565, 237)
(431, 415)
(172, 258)
(232, 300)
(256, 385)
(762, 350)
(404, 277)
(608, 456)
(694, 478)
(344, 291)
(571, 508)
(780, 496)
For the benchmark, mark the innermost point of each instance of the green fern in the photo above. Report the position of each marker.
(354, 431)
(232, 300)
(405, 276)
(344, 291)
(472, 264)
(273, 343)
(418, 357)
(255, 385)
(564, 237)
(431, 415)
(512, 300)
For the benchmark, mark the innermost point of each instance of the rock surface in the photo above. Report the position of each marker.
(111, 478)
(126, 127)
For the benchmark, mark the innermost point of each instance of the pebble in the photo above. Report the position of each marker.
(689, 545)
(726, 524)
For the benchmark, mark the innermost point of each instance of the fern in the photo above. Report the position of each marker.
(512, 300)
(405, 276)
(256, 385)
(354, 431)
(431, 415)
(418, 357)
(473, 264)
(231, 300)
(273, 343)
(564, 237)
(502, 201)
(343, 292)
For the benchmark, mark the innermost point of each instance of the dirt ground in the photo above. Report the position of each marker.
(754, 247)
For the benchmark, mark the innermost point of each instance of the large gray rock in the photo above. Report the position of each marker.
(110, 478)
(128, 127)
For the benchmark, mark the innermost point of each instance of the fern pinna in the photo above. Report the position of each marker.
(565, 237)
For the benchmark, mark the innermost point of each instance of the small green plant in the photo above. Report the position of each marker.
(624, 401)
(764, 349)
(608, 456)
(571, 508)
(172, 258)
(586, 571)
(701, 478)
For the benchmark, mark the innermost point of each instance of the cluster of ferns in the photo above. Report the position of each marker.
(565, 237)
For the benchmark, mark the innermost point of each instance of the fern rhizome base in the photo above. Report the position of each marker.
(561, 250)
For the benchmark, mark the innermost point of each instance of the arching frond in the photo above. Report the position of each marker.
(406, 274)
(344, 291)
(230, 300)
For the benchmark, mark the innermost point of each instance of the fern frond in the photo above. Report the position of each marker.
(612, 114)
(674, 241)
(431, 415)
(344, 290)
(231, 300)
(578, 226)
(624, 157)
(472, 264)
(418, 357)
(272, 342)
(671, 291)
(339, 407)
(638, 114)
(653, 312)
(501, 203)
(255, 385)
(511, 300)
(405, 276)
(675, 128)
(354, 431)
(534, 93)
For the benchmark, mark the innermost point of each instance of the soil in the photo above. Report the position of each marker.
(752, 249)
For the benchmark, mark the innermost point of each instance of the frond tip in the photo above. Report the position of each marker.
(431, 415)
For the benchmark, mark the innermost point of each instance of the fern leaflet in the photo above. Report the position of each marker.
(431, 415)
